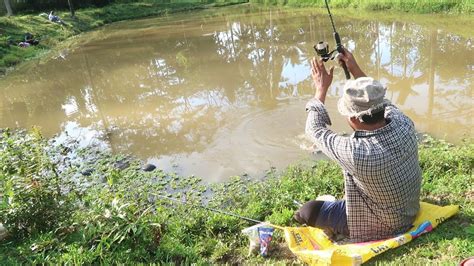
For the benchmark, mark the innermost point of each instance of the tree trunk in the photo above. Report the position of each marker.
(71, 8)
(9, 7)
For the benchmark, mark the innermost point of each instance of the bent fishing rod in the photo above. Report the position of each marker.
(322, 48)
(182, 202)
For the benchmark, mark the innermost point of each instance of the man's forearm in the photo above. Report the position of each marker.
(357, 73)
(321, 95)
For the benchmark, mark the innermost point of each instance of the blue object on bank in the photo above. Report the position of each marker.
(265, 235)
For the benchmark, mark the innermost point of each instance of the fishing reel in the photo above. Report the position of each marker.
(322, 49)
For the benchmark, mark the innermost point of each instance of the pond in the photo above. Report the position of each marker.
(222, 92)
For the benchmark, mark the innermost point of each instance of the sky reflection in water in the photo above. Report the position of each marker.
(222, 93)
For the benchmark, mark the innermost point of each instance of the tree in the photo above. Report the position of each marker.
(9, 7)
(71, 8)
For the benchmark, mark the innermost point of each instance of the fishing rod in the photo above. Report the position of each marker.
(322, 48)
(208, 208)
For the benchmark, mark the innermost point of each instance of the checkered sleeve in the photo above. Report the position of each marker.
(336, 147)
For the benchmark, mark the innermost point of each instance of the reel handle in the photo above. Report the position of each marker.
(341, 50)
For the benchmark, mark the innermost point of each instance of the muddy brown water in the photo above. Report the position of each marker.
(222, 92)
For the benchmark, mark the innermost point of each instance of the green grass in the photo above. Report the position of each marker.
(13, 29)
(110, 217)
(412, 6)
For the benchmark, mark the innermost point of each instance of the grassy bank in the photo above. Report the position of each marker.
(84, 206)
(412, 6)
(13, 29)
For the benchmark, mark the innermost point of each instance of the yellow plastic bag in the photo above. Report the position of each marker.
(312, 245)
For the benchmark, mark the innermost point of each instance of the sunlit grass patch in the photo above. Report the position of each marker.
(113, 217)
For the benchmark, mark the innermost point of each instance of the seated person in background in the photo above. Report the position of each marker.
(379, 160)
(29, 38)
(52, 17)
(24, 44)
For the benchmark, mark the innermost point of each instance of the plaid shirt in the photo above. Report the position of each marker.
(381, 172)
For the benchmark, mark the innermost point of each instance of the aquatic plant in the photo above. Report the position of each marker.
(112, 214)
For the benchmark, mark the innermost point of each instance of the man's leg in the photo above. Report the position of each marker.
(329, 215)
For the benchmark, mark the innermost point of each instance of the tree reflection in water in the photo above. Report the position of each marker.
(168, 86)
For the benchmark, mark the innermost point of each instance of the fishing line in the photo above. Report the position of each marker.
(330, 16)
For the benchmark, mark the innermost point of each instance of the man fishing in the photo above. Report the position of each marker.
(379, 160)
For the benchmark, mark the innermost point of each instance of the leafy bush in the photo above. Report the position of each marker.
(32, 198)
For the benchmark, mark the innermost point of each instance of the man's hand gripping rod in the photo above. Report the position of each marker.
(339, 46)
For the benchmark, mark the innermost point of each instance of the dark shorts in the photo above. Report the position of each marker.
(329, 215)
